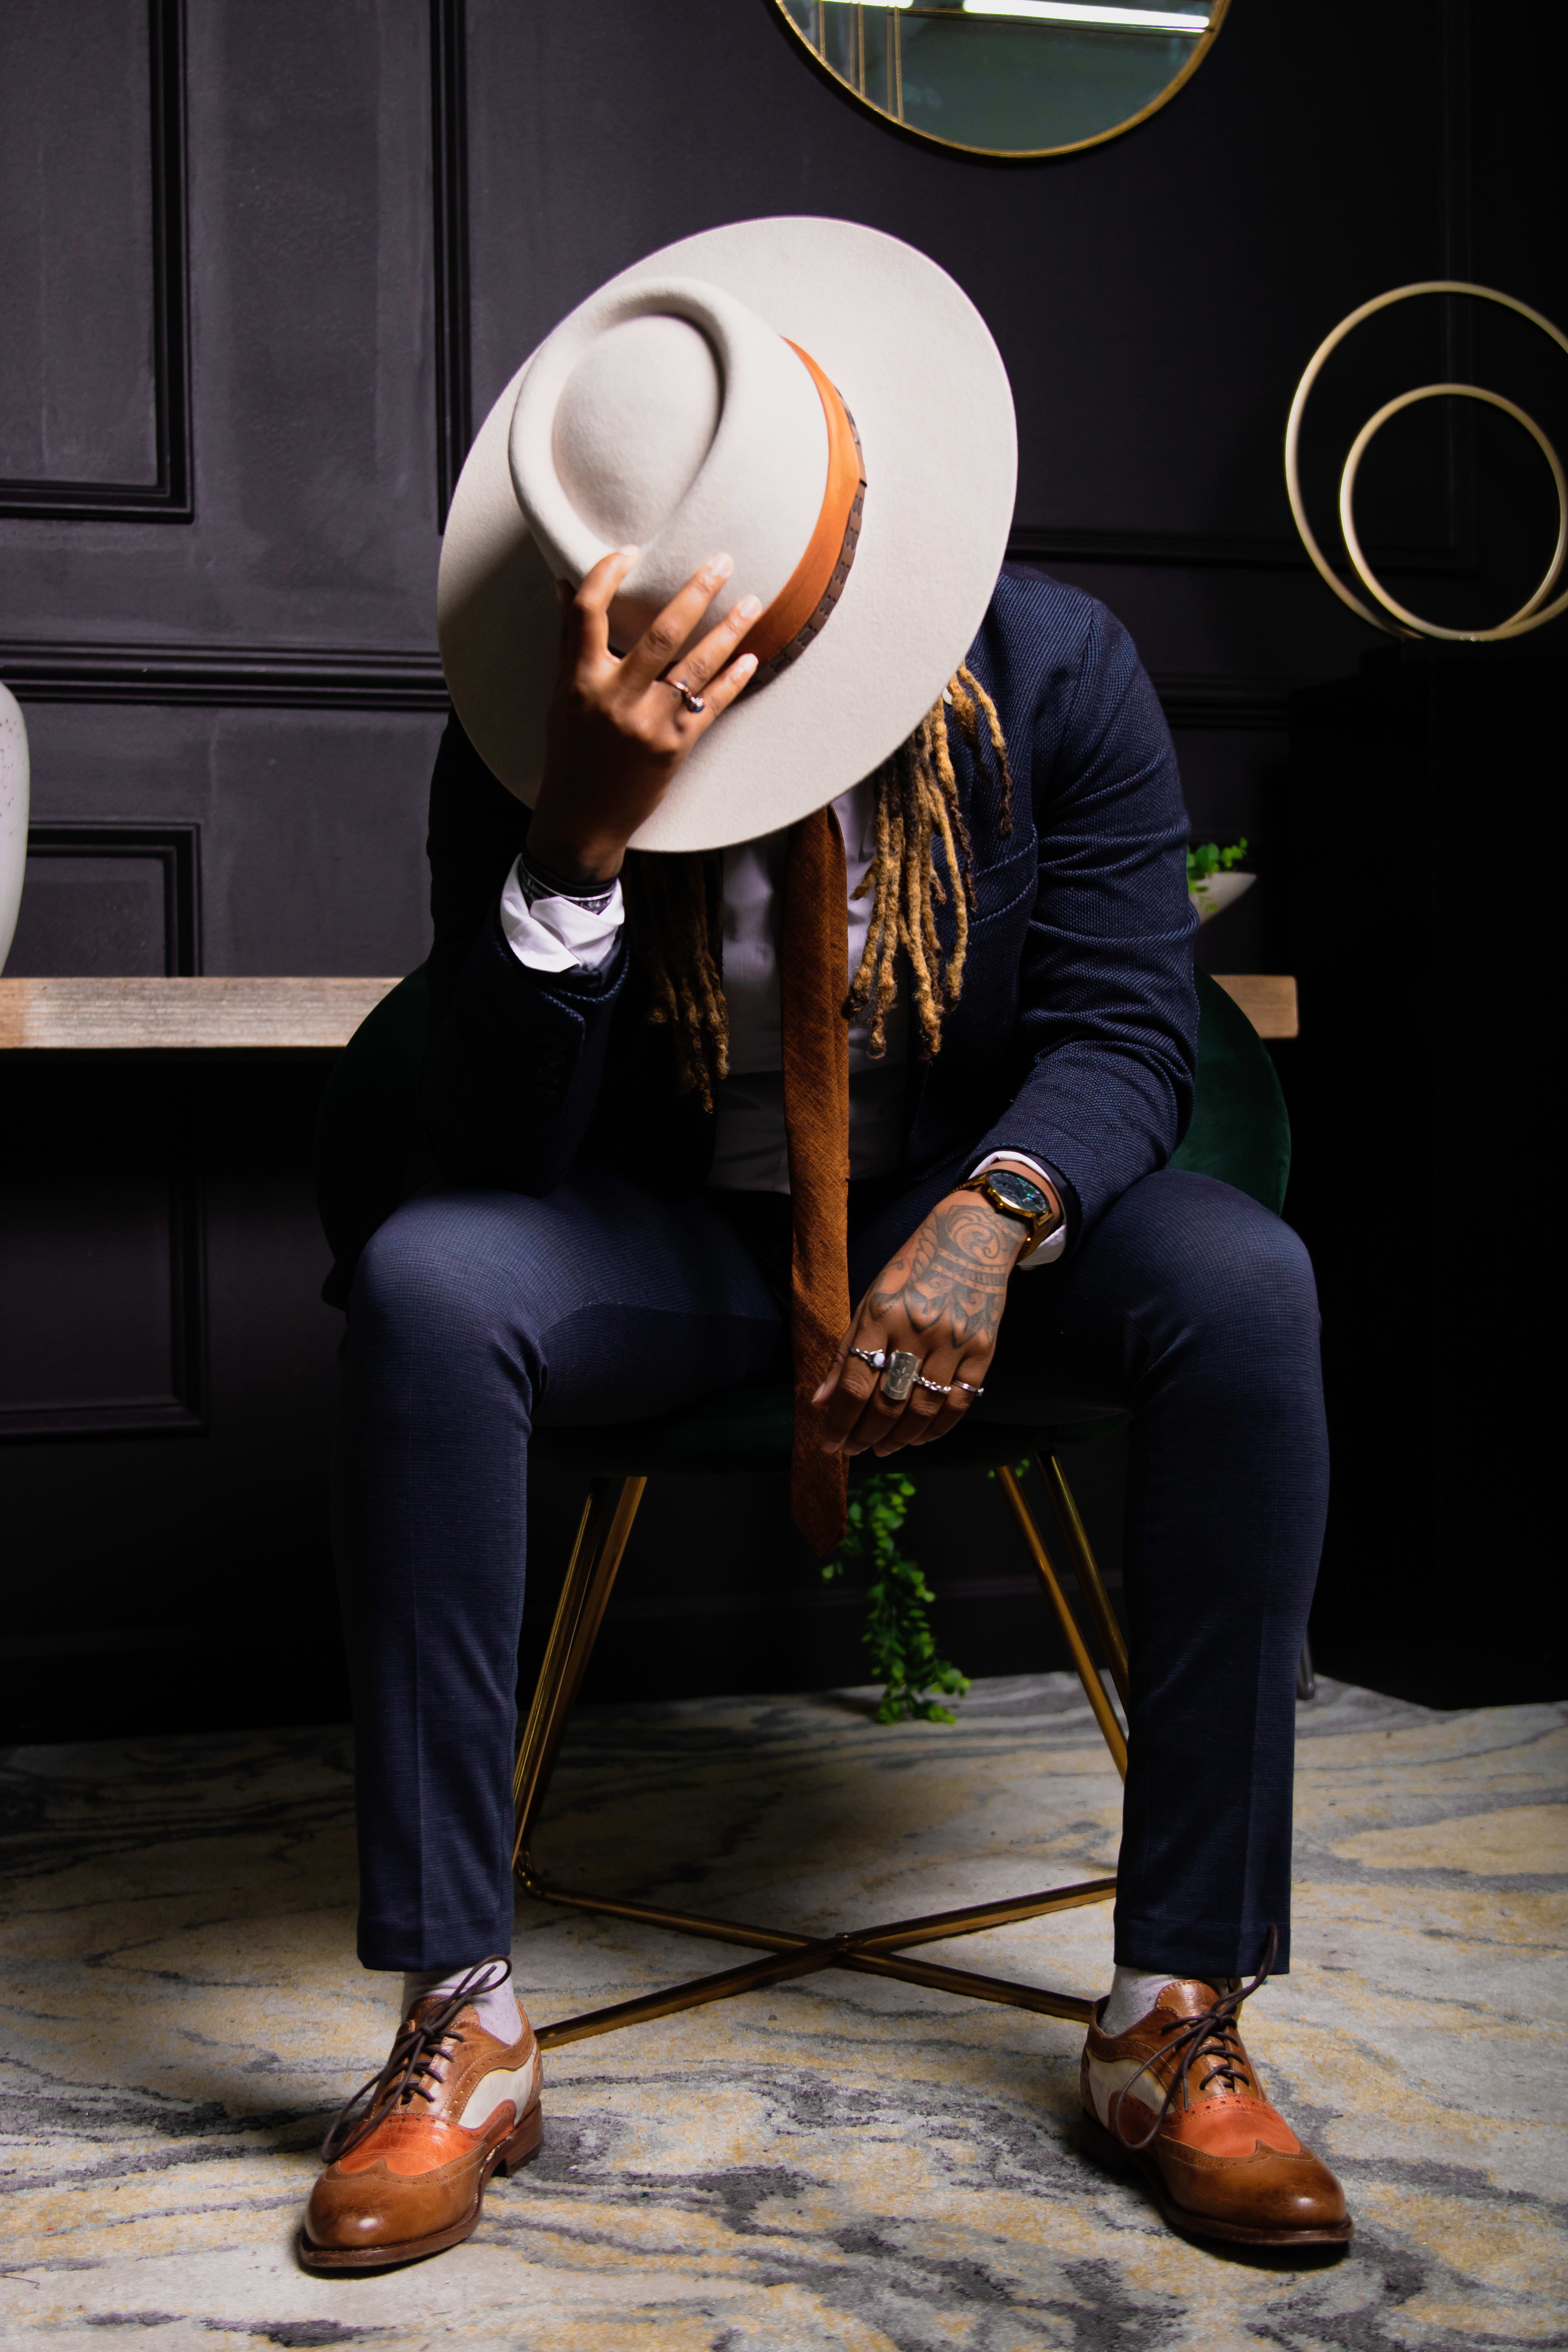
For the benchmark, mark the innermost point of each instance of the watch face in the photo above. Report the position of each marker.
(1019, 1188)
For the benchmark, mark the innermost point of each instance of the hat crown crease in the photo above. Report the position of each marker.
(757, 490)
(635, 423)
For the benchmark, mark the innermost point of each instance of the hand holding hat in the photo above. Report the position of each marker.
(820, 400)
(619, 726)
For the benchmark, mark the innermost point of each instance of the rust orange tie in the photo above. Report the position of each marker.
(813, 983)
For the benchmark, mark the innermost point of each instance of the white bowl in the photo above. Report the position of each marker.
(1210, 898)
(12, 815)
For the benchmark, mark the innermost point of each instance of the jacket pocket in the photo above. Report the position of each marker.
(1001, 889)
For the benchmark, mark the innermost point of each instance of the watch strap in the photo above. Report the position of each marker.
(1040, 1226)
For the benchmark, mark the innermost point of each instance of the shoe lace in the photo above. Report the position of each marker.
(405, 2076)
(1214, 2034)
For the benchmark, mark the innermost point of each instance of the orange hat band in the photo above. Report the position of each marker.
(783, 630)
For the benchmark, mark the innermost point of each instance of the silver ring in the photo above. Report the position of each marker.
(903, 1370)
(693, 702)
(969, 1389)
(872, 1356)
(933, 1388)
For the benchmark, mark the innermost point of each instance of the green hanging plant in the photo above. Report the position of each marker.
(897, 1632)
(1206, 858)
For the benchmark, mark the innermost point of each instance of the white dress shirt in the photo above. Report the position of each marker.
(750, 1152)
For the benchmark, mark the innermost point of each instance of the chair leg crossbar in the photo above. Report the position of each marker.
(602, 1537)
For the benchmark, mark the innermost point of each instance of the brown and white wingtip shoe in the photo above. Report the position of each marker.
(1177, 2097)
(409, 2158)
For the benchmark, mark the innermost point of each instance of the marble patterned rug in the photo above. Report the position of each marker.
(841, 2162)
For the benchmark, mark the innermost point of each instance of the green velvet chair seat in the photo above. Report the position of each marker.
(749, 1429)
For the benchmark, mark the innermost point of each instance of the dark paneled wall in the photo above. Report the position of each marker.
(93, 412)
(263, 270)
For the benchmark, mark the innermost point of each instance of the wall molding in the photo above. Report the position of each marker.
(352, 677)
(1202, 551)
(357, 677)
(182, 1411)
(177, 848)
(1196, 551)
(1223, 704)
(293, 677)
(170, 497)
(449, 196)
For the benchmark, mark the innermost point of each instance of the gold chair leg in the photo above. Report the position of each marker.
(882, 1950)
(1088, 1675)
(971, 1919)
(1086, 1569)
(871, 1952)
(806, 1958)
(602, 1533)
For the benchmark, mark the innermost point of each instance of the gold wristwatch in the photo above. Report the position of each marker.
(1018, 1196)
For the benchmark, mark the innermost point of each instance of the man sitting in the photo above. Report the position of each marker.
(880, 1099)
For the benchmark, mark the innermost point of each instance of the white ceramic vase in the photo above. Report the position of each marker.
(1221, 890)
(13, 816)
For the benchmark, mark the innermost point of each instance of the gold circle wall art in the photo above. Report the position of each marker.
(1008, 77)
(1392, 615)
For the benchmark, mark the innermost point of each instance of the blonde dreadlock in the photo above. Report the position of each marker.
(672, 911)
(672, 903)
(918, 807)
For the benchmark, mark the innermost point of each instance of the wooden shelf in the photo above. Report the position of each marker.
(274, 1016)
(1267, 999)
(139, 1016)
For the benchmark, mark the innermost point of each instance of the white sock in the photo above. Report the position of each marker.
(1133, 1992)
(496, 2007)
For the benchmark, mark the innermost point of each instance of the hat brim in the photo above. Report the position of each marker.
(916, 363)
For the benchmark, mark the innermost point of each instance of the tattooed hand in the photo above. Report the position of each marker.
(941, 1299)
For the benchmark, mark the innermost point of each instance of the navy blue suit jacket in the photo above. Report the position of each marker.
(1074, 1040)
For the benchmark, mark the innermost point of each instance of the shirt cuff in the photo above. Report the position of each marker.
(1044, 1253)
(558, 934)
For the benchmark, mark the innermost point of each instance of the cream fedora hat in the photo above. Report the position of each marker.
(817, 398)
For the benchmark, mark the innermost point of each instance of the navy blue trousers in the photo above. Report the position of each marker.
(476, 1314)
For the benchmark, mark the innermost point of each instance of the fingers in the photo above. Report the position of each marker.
(663, 638)
(855, 1385)
(830, 1378)
(723, 690)
(664, 722)
(674, 726)
(926, 1407)
(957, 1402)
(710, 656)
(862, 1417)
(913, 1425)
(861, 1413)
(585, 617)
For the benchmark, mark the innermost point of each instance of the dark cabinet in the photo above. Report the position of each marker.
(1427, 884)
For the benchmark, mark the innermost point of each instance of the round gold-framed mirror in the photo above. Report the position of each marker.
(1016, 79)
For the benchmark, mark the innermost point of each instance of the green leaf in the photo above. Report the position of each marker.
(1206, 858)
(897, 1632)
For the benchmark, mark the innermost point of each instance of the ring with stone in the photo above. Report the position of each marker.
(901, 1373)
(872, 1356)
(693, 702)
